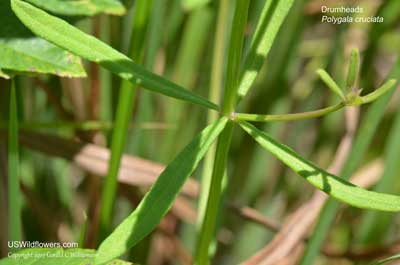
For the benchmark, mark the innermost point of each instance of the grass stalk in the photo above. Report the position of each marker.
(126, 101)
(207, 230)
(214, 95)
(14, 197)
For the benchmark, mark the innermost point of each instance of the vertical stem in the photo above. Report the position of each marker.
(214, 96)
(14, 200)
(207, 231)
(123, 116)
(234, 57)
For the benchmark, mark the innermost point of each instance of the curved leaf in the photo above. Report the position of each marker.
(21, 51)
(160, 197)
(70, 38)
(81, 7)
(52, 256)
(334, 186)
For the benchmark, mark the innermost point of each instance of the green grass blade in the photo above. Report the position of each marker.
(159, 199)
(14, 197)
(264, 36)
(66, 36)
(330, 83)
(235, 55)
(123, 117)
(322, 180)
(354, 66)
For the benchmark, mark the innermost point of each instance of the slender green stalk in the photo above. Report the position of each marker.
(214, 95)
(208, 224)
(207, 231)
(123, 117)
(126, 101)
(234, 56)
(360, 146)
(288, 117)
(14, 197)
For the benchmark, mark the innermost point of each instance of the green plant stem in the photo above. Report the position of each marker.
(288, 117)
(14, 197)
(234, 56)
(126, 101)
(209, 222)
(207, 231)
(214, 95)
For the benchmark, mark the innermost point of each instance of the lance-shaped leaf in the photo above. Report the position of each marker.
(51, 256)
(74, 40)
(379, 91)
(160, 197)
(272, 17)
(352, 73)
(81, 7)
(330, 83)
(21, 51)
(334, 186)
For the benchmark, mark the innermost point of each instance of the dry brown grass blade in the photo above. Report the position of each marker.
(94, 159)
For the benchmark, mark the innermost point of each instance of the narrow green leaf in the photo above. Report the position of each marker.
(262, 40)
(52, 256)
(330, 83)
(235, 56)
(379, 91)
(354, 66)
(21, 51)
(159, 199)
(14, 196)
(72, 39)
(81, 8)
(334, 186)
